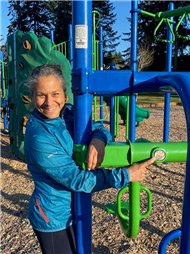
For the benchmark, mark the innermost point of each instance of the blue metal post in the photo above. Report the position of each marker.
(101, 68)
(134, 40)
(71, 44)
(3, 100)
(112, 106)
(82, 31)
(52, 36)
(168, 68)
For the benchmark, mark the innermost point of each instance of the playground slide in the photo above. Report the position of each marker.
(140, 112)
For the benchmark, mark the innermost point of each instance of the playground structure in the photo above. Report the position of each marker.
(88, 82)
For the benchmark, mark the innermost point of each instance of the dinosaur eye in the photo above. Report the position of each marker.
(21, 65)
(27, 45)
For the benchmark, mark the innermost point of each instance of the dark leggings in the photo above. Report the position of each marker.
(60, 242)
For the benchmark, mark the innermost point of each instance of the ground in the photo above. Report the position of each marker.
(165, 181)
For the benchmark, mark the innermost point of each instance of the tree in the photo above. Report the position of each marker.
(145, 56)
(147, 25)
(61, 17)
(40, 16)
(117, 58)
(29, 16)
(108, 18)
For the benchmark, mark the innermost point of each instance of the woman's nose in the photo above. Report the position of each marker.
(48, 100)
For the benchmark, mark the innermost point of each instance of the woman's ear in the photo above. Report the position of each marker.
(66, 99)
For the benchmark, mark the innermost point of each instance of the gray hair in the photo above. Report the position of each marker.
(45, 71)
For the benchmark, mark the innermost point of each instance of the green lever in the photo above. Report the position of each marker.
(130, 220)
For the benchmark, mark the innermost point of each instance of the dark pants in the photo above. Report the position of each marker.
(60, 242)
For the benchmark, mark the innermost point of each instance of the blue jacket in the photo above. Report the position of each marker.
(48, 150)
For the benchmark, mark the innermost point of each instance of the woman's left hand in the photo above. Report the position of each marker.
(95, 155)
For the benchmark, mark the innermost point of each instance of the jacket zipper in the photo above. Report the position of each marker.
(41, 211)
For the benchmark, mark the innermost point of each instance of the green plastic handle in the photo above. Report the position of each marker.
(142, 216)
(177, 26)
(123, 216)
(171, 30)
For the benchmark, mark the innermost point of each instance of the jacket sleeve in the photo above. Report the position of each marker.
(100, 132)
(43, 155)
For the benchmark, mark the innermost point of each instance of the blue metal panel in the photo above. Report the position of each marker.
(117, 82)
(101, 82)
(147, 81)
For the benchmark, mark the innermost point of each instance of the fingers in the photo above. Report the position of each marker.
(91, 161)
(95, 154)
(148, 162)
(137, 171)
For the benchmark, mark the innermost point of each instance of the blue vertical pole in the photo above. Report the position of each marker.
(134, 40)
(71, 44)
(112, 107)
(101, 67)
(52, 36)
(168, 68)
(3, 101)
(112, 104)
(82, 31)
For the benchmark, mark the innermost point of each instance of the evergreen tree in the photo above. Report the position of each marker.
(61, 17)
(117, 58)
(29, 16)
(108, 18)
(146, 27)
(40, 16)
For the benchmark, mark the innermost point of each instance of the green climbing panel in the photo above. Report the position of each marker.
(26, 52)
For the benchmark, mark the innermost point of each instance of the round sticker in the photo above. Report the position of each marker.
(160, 155)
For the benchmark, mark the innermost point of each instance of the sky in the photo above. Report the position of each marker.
(122, 9)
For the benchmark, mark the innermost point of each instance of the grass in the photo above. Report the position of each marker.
(147, 98)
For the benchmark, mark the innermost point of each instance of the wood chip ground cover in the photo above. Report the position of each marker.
(166, 182)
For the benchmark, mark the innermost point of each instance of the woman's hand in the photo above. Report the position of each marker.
(95, 155)
(137, 171)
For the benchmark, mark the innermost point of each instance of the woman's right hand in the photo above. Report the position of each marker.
(137, 171)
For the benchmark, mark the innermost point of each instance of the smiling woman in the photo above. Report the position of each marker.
(48, 149)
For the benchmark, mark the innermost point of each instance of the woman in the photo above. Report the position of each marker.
(48, 154)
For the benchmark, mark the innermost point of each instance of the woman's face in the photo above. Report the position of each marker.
(49, 97)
